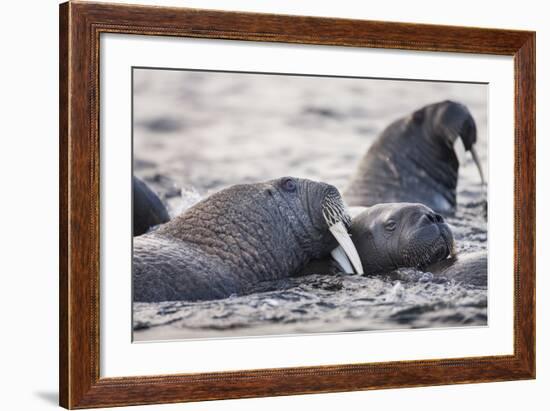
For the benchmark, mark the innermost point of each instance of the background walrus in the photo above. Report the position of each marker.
(240, 235)
(414, 160)
(148, 209)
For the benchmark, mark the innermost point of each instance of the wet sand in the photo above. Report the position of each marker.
(195, 133)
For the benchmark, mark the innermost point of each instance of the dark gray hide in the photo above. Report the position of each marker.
(414, 160)
(240, 235)
(148, 209)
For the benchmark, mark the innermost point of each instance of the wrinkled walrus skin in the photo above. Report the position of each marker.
(240, 235)
(414, 160)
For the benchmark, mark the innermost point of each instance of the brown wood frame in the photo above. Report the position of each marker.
(80, 27)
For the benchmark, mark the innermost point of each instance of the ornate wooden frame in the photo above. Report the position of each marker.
(80, 27)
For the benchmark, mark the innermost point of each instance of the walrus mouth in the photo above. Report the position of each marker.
(442, 248)
(338, 221)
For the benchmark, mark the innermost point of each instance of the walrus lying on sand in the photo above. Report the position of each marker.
(414, 160)
(243, 234)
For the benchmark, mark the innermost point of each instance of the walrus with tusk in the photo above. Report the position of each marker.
(243, 234)
(414, 160)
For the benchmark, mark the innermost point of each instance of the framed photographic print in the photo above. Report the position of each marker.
(257, 205)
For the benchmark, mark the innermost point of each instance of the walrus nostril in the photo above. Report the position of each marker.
(438, 218)
(431, 217)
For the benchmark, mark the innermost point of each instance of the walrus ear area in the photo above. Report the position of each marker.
(418, 116)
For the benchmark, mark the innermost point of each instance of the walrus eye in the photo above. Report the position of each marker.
(390, 225)
(289, 185)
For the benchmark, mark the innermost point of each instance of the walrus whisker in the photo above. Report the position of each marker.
(336, 212)
(475, 157)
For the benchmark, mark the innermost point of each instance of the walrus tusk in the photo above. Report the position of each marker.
(341, 234)
(478, 164)
(339, 255)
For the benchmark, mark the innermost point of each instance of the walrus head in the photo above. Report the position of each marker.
(447, 121)
(394, 235)
(314, 207)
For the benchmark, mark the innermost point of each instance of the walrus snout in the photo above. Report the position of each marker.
(431, 218)
(437, 223)
(433, 231)
(426, 238)
(443, 247)
(333, 207)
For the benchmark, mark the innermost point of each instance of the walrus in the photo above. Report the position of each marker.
(467, 268)
(240, 235)
(403, 235)
(148, 209)
(391, 236)
(414, 160)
